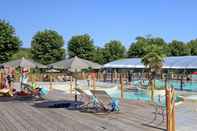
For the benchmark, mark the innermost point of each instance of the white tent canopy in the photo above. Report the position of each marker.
(179, 62)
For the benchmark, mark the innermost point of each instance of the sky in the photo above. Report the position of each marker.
(104, 20)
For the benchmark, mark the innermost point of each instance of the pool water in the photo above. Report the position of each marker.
(131, 95)
(160, 84)
(140, 95)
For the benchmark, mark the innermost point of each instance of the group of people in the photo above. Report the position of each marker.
(7, 77)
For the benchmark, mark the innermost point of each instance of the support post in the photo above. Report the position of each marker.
(94, 83)
(167, 109)
(121, 87)
(112, 79)
(173, 109)
(50, 85)
(170, 109)
(1, 80)
(181, 82)
(71, 84)
(75, 81)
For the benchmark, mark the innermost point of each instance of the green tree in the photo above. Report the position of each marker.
(22, 52)
(137, 48)
(153, 60)
(99, 55)
(178, 48)
(193, 47)
(9, 42)
(113, 50)
(81, 46)
(47, 47)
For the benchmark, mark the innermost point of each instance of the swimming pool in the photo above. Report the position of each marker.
(160, 84)
(140, 95)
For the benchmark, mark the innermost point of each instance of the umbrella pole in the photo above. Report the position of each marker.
(21, 81)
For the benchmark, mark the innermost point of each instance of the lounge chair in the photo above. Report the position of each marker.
(104, 101)
(89, 101)
(84, 96)
(5, 92)
(27, 86)
(34, 90)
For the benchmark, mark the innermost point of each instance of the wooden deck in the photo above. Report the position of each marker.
(32, 115)
(186, 116)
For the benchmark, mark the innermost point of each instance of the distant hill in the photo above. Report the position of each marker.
(22, 52)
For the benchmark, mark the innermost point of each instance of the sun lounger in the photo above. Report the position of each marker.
(27, 86)
(98, 100)
(35, 90)
(104, 101)
(85, 97)
(6, 91)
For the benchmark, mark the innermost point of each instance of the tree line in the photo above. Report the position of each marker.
(47, 47)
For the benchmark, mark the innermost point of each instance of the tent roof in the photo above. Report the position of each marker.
(24, 63)
(179, 62)
(75, 63)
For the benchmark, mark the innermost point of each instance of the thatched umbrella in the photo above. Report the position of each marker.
(75, 64)
(24, 63)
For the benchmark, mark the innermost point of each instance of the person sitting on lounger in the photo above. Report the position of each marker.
(34, 90)
(38, 90)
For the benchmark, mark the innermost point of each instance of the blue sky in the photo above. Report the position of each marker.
(104, 20)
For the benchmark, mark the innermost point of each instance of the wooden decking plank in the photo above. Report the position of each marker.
(25, 115)
(87, 119)
(64, 119)
(30, 117)
(5, 123)
(13, 122)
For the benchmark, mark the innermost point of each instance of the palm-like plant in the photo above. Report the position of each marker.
(153, 60)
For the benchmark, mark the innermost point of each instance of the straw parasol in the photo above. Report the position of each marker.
(24, 63)
(75, 64)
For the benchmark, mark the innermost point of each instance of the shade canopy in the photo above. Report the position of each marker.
(24, 63)
(75, 64)
(179, 62)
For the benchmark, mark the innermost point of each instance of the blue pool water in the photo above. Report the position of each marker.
(190, 85)
(132, 95)
(140, 95)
